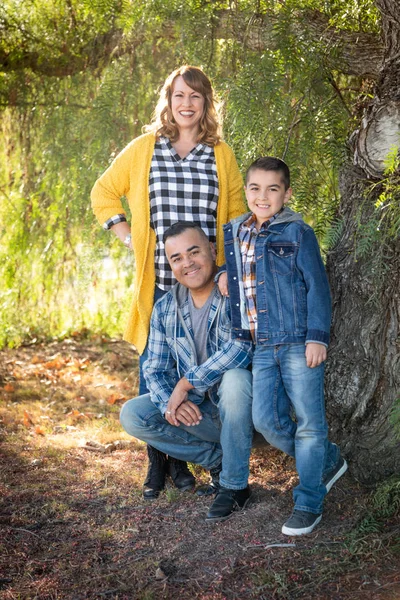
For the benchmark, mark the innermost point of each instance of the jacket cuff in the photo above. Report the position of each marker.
(317, 336)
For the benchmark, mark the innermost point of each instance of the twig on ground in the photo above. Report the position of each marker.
(266, 546)
(25, 530)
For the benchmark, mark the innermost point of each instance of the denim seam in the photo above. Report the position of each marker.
(276, 417)
(232, 487)
(181, 435)
(295, 307)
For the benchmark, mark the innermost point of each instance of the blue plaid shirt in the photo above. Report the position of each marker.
(172, 353)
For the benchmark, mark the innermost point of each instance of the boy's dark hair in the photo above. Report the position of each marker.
(181, 226)
(271, 163)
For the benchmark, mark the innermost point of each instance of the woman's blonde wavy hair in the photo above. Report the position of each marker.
(163, 123)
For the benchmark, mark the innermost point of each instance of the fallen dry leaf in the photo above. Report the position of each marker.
(56, 364)
(114, 398)
(76, 414)
(28, 421)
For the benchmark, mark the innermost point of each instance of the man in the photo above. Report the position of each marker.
(199, 406)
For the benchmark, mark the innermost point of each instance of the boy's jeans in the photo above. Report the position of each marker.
(282, 380)
(226, 430)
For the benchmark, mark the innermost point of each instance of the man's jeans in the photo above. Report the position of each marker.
(225, 432)
(282, 380)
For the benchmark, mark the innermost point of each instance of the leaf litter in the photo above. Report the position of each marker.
(74, 524)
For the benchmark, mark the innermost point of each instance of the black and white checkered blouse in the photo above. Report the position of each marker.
(180, 189)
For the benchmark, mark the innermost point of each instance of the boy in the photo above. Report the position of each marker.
(279, 291)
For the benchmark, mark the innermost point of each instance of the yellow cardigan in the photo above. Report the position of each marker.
(128, 176)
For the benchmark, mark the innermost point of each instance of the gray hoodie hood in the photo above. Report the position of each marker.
(287, 216)
(181, 293)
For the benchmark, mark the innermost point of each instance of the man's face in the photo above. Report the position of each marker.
(266, 194)
(192, 259)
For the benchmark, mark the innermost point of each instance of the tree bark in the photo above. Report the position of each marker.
(363, 369)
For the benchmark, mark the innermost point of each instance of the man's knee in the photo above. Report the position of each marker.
(135, 414)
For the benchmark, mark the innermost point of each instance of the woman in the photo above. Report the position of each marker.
(179, 170)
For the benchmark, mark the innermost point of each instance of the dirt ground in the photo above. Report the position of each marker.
(74, 524)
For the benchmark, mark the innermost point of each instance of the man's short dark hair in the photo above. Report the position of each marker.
(271, 163)
(181, 226)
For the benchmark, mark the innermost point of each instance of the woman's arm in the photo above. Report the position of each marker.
(114, 183)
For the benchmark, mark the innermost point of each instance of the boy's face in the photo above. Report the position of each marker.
(266, 194)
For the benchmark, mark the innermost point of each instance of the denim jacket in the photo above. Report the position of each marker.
(292, 291)
(172, 353)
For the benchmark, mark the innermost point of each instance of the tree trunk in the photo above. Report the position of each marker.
(363, 370)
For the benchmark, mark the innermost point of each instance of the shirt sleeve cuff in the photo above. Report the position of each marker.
(113, 221)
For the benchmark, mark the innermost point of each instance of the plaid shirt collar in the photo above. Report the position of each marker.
(251, 222)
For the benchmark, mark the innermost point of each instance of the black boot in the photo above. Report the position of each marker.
(180, 474)
(156, 473)
(211, 488)
(227, 502)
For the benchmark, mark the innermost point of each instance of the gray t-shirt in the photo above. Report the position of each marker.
(199, 318)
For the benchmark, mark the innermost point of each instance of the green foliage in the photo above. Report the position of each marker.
(388, 203)
(382, 224)
(281, 103)
(362, 14)
(386, 500)
(383, 507)
(333, 234)
(78, 82)
(395, 418)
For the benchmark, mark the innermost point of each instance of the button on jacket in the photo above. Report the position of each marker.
(292, 289)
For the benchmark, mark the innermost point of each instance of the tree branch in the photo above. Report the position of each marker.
(351, 53)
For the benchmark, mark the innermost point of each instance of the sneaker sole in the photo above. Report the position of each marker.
(337, 476)
(220, 519)
(289, 531)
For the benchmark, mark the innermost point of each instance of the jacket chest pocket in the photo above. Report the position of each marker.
(281, 258)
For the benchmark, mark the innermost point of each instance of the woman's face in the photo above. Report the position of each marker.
(186, 104)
